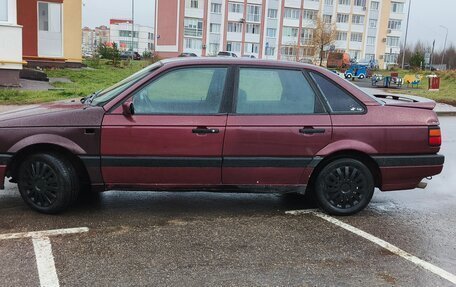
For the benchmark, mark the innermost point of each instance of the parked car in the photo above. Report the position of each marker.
(227, 125)
(129, 54)
(249, 56)
(226, 54)
(188, 55)
(305, 61)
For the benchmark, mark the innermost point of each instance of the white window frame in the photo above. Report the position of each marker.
(272, 13)
(216, 8)
(6, 11)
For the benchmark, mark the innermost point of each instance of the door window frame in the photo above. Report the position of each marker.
(318, 96)
(226, 93)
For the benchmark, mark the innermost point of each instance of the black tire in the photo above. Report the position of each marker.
(344, 187)
(361, 77)
(48, 183)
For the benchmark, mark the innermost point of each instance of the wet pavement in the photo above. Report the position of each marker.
(209, 239)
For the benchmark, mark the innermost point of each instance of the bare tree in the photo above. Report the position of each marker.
(324, 35)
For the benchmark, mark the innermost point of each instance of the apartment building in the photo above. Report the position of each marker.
(120, 34)
(92, 38)
(11, 46)
(279, 29)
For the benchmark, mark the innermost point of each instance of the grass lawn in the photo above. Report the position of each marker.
(446, 94)
(85, 82)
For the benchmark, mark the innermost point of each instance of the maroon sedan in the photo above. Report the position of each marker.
(227, 125)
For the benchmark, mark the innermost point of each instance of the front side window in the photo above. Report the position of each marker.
(274, 91)
(4, 10)
(337, 98)
(184, 91)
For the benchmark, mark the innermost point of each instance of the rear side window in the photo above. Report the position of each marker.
(275, 91)
(337, 98)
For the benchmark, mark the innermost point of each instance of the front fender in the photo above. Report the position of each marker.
(47, 139)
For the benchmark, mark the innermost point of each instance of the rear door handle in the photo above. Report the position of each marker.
(311, 131)
(204, 130)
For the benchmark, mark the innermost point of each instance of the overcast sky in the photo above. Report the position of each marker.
(425, 18)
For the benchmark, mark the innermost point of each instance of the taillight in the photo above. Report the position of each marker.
(435, 136)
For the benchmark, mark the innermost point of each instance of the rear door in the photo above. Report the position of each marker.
(175, 136)
(277, 127)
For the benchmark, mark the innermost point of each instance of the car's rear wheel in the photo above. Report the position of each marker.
(361, 76)
(48, 183)
(344, 187)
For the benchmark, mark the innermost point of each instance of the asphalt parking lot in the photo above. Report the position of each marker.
(207, 239)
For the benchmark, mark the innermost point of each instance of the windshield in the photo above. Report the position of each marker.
(108, 94)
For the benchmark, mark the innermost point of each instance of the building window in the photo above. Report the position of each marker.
(233, 47)
(370, 57)
(191, 43)
(358, 19)
(126, 33)
(214, 28)
(392, 41)
(271, 32)
(344, 2)
(397, 7)
(371, 41)
(341, 36)
(291, 13)
(307, 52)
(327, 19)
(4, 10)
(310, 14)
(193, 27)
(290, 32)
(329, 2)
(216, 8)
(235, 27)
(394, 24)
(372, 23)
(354, 54)
(191, 3)
(251, 48)
(374, 5)
(253, 13)
(356, 37)
(235, 7)
(272, 13)
(270, 51)
(253, 28)
(342, 18)
(306, 36)
(361, 3)
(391, 58)
(127, 45)
(288, 51)
(214, 48)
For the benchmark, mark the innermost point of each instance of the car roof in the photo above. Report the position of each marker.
(236, 61)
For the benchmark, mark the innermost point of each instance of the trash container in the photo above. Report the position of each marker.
(434, 83)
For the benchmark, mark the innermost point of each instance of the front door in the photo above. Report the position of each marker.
(175, 136)
(50, 42)
(278, 126)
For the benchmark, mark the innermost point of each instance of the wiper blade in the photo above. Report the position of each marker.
(88, 100)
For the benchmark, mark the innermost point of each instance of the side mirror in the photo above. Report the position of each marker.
(128, 108)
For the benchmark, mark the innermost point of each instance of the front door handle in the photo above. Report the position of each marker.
(311, 131)
(204, 130)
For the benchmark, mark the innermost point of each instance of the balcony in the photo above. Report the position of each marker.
(193, 32)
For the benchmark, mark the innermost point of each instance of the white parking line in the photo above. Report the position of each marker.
(43, 251)
(388, 246)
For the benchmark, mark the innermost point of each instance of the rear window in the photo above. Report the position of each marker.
(337, 98)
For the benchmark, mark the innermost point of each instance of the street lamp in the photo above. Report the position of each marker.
(444, 45)
(132, 27)
(406, 32)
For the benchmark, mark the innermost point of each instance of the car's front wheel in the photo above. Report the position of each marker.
(48, 183)
(344, 187)
(361, 76)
